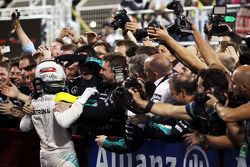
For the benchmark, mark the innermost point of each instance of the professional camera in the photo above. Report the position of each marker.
(201, 98)
(215, 18)
(142, 33)
(120, 19)
(180, 25)
(123, 96)
(15, 15)
(14, 20)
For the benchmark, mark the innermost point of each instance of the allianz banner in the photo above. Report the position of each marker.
(154, 153)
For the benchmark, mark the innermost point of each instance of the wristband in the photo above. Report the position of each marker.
(215, 104)
(149, 106)
(202, 142)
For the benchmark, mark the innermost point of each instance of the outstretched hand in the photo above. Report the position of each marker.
(158, 33)
(10, 90)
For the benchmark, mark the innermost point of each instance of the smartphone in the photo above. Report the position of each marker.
(6, 49)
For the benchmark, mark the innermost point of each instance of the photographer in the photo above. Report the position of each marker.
(236, 116)
(134, 136)
(211, 129)
(157, 70)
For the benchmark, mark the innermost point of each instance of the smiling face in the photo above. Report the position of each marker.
(4, 76)
(29, 77)
(107, 73)
(15, 75)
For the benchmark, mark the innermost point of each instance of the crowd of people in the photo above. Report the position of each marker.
(121, 94)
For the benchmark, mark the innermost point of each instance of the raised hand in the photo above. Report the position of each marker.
(158, 33)
(132, 26)
(10, 90)
(45, 52)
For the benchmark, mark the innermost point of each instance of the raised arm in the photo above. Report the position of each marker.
(68, 117)
(207, 52)
(183, 53)
(27, 44)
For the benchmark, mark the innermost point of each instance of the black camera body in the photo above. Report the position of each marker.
(180, 25)
(121, 94)
(217, 17)
(120, 19)
(201, 98)
(15, 15)
(142, 33)
(123, 97)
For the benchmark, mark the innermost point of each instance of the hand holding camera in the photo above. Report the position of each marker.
(15, 21)
(68, 36)
(5, 107)
(132, 26)
(180, 26)
(157, 33)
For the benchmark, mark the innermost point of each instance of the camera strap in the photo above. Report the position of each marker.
(163, 79)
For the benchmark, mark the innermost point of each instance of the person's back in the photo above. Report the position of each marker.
(56, 146)
(51, 134)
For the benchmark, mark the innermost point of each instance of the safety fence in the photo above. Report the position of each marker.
(22, 150)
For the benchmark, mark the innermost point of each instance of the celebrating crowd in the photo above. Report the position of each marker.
(121, 93)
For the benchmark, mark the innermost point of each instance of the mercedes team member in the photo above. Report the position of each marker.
(57, 148)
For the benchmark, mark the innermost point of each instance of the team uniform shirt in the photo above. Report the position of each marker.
(162, 92)
(54, 139)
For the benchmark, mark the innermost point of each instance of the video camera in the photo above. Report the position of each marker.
(142, 33)
(216, 17)
(120, 19)
(180, 25)
(121, 93)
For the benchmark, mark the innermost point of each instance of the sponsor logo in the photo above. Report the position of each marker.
(47, 69)
(74, 90)
(195, 157)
